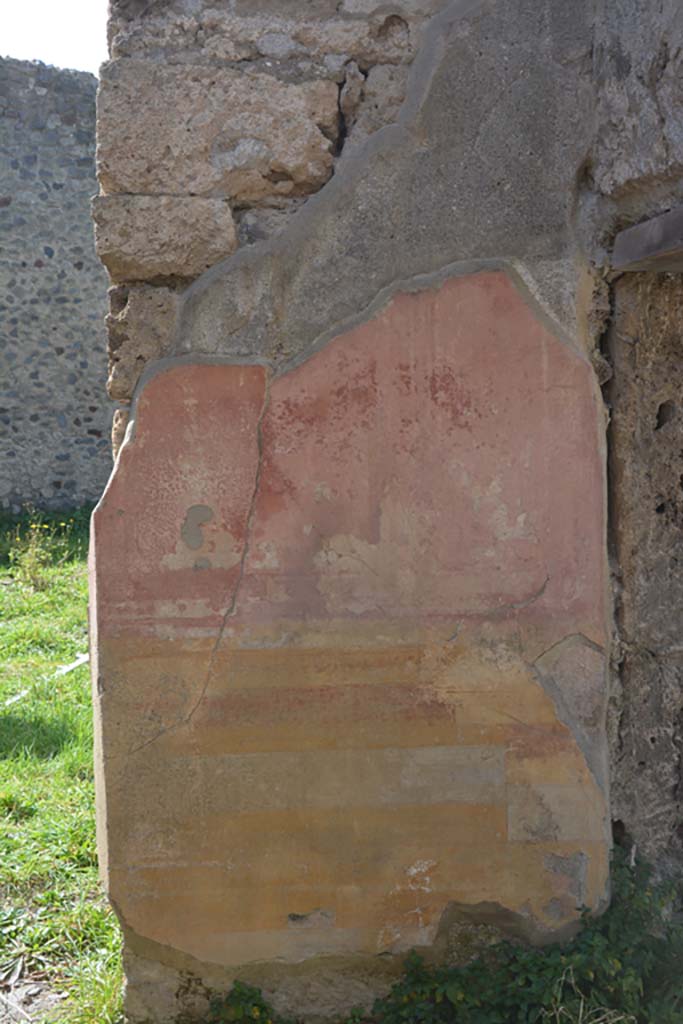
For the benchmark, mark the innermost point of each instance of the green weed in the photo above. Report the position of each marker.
(36, 543)
(578, 1010)
(55, 922)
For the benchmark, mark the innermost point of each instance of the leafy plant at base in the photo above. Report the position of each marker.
(244, 1003)
(622, 968)
(560, 1013)
(627, 961)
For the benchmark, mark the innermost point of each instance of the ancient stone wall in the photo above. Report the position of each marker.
(646, 460)
(354, 557)
(635, 172)
(54, 418)
(249, 107)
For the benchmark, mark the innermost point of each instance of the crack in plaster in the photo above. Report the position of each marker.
(570, 636)
(583, 735)
(232, 605)
(513, 606)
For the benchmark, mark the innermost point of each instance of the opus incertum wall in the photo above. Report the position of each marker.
(55, 421)
(351, 613)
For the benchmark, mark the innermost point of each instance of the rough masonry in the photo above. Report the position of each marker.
(55, 422)
(359, 608)
(646, 455)
(249, 108)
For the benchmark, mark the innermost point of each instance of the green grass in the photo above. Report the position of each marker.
(55, 923)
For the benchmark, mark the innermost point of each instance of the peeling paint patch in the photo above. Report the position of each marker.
(191, 530)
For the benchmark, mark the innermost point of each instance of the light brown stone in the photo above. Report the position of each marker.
(210, 132)
(140, 323)
(143, 238)
(369, 33)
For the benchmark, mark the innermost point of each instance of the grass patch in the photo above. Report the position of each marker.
(55, 923)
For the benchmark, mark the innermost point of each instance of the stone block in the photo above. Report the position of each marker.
(147, 238)
(639, 70)
(211, 131)
(304, 35)
(319, 598)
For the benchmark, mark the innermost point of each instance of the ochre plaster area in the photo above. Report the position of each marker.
(349, 630)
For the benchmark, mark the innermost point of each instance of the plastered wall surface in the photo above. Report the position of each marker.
(338, 679)
(365, 483)
(55, 421)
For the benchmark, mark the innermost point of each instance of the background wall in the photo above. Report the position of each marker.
(54, 415)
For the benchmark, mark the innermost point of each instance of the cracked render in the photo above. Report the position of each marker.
(353, 618)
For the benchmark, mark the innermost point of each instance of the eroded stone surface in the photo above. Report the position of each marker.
(144, 238)
(377, 102)
(212, 131)
(118, 429)
(140, 323)
(369, 32)
(638, 64)
(646, 463)
(315, 672)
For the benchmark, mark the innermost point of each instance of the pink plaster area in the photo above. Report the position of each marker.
(439, 461)
(319, 606)
(165, 560)
(442, 460)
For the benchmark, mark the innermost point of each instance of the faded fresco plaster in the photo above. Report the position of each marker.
(350, 624)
